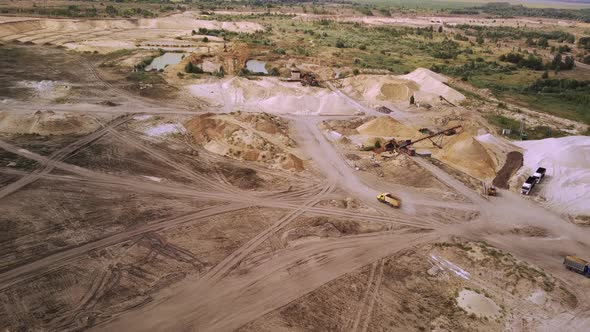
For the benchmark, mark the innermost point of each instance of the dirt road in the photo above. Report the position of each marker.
(224, 305)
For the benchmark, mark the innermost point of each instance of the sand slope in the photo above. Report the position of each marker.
(388, 127)
(374, 88)
(567, 160)
(467, 154)
(270, 95)
(432, 85)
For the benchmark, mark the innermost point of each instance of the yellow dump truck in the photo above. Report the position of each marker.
(389, 199)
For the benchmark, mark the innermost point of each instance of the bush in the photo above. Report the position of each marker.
(279, 50)
(205, 40)
(356, 72)
(192, 69)
(274, 71)
(340, 44)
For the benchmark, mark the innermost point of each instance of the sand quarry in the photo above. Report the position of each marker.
(249, 204)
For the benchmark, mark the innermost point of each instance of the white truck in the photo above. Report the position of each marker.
(528, 185)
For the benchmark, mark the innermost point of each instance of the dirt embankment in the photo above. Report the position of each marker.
(513, 162)
(246, 136)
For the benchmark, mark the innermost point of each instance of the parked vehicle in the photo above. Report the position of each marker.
(540, 174)
(528, 185)
(576, 264)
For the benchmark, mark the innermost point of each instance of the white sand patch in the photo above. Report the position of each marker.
(477, 304)
(270, 95)
(446, 265)
(538, 297)
(46, 89)
(142, 117)
(566, 186)
(101, 46)
(165, 129)
(153, 178)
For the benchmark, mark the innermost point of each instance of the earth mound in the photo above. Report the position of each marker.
(244, 136)
(468, 155)
(387, 126)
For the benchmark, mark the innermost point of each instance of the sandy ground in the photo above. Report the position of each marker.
(148, 218)
(106, 36)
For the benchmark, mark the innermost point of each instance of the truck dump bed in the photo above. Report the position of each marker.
(576, 263)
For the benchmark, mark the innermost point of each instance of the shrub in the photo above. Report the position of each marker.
(192, 69)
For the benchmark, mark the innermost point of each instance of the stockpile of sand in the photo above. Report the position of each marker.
(373, 88)
(567, 160)
(47, 123)
(251, 137)
(431, 86)
(466, 154)
(388, 127)
(270, 95)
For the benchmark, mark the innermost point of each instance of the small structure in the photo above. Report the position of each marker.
(295, 74)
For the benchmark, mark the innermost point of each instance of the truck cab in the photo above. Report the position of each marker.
(540, 174)
(528, 185)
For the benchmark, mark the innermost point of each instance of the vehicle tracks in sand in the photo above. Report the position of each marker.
(225, 266)
(56, 260)
(368, 302)
(60, 155)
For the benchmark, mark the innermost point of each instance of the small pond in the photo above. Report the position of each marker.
(164, 60)
(255, 66)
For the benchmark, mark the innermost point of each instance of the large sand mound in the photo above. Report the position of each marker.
(379, 88)
(388, 127)
(432, 86)
(567, 160)
(467, 154)
(270, 95)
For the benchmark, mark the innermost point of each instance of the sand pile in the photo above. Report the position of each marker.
(431, 86)
(388, 127)
(270, 95)
(466, 154)
(251, 137)
(47, 123)
(373, 88)
(567, 160)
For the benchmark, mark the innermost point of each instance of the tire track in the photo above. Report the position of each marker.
(365, 298)
(374, 297)
(225, 266)
(56, 260)
(166, 160)
(58, 156)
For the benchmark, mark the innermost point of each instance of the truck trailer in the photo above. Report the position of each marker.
(576, 264)
(540, 174)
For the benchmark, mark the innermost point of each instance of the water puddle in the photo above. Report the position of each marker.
(164, 60)
(257, 67)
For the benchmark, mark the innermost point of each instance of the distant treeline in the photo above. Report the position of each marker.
(506, 10)
(500, 32)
